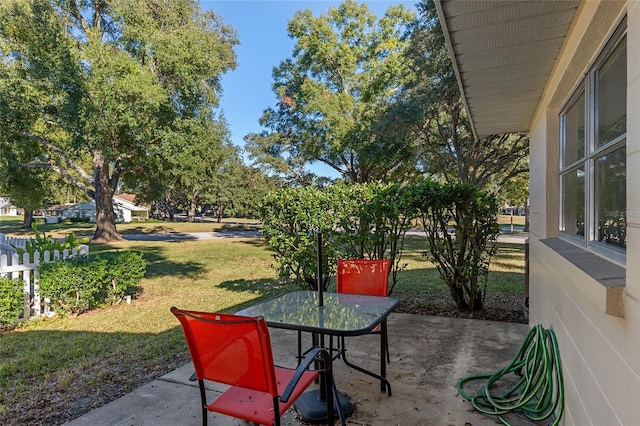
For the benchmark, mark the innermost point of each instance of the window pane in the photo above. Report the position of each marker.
(612, 96)
(611, 198)
(573, 202)
(574, 132)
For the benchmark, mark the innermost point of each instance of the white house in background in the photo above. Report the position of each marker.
(123, 205)
(7, 208)
(568, 74)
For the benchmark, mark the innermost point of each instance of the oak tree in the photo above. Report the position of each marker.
(107, 81)
(345, 70)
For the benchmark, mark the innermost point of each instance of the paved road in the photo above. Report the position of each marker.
(505, 237)
(186, 236)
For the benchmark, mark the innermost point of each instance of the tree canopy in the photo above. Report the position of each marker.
(107, 84)
(432, 109)
(377, 100)
(345, 70)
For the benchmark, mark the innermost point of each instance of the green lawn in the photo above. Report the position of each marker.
(53, 369)
(11, 225)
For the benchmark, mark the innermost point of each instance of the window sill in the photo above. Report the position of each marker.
(606, 289)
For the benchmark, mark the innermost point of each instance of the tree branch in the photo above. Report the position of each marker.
(78, 183)
(88, 179)
(73, 6)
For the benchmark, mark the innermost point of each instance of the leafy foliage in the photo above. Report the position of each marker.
(41, 243)
(97, 91)
(11, 300)
(430, 111)
(346, 68)
(124, 272)
(370, 221)
(461, 226)
(81, 283)
(356, 221)
(291, 217)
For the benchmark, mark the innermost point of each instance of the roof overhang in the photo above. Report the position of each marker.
(503, 52)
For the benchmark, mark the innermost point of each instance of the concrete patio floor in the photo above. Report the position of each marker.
(428, 356)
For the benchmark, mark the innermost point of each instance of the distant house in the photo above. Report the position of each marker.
(7, 208)
(124, 207)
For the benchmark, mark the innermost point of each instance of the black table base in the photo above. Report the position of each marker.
(313, 409)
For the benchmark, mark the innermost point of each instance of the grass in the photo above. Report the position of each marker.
(11, 225)
(54, 370)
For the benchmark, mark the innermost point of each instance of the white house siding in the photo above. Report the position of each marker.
(600, 351)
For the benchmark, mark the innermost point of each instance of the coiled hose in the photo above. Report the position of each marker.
(538, 394)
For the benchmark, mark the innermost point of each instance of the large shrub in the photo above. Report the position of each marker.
(124, 272)
(372, 220)
(356, 221)
(81, 283)
(11, 300)
(461, 226)
(291, 218)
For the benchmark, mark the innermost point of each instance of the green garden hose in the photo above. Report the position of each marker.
(538, 394)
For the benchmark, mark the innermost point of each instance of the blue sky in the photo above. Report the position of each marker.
(264, 43)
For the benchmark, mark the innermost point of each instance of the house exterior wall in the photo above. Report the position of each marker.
(598, 327)
(124, 211)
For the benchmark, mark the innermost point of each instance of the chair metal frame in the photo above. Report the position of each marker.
(205, 362)
(379, 287)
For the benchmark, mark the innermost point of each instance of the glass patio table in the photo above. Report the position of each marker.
(341, 315)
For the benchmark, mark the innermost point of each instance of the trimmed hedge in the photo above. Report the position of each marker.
(82, 283)
(370, 221)
(11, 300)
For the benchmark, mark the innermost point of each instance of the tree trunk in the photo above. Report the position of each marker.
(191, 215)
(105, 216)
(28, 219)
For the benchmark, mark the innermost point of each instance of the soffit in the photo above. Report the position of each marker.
(503, 53)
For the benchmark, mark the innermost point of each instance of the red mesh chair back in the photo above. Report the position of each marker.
(236, 350)
(230, 349)
(363, 276)
(368, 277)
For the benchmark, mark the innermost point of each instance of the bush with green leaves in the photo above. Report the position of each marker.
(356, 221)
(82, 283)
(461, 225)
(124, 272)
(370, 221)
(11, 300)
(291, 218)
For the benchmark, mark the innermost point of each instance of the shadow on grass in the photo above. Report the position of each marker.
(158, 263)
(264, 287)
(147, 229)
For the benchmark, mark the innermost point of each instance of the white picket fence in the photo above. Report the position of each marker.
(15, 266)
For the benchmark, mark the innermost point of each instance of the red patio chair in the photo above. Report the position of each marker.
(365, 276)
(236, 351)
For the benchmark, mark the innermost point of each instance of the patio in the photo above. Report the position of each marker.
(428, 356)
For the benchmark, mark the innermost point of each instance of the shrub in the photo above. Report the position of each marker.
(370, 221)
(73, 285)
(291, 217)
(461, 226)
(124, 272)
(79, 219)
(11, 300)
(81, 283)
(357, 221)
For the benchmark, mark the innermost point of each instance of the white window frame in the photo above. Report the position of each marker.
(588, 87)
